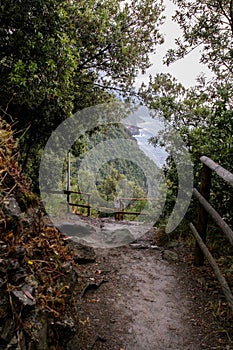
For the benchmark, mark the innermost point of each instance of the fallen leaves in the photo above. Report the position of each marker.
(37, 270)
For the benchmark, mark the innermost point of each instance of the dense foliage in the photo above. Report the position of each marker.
(11, 179)
(202, 114)
(60, 56)
(117, 177)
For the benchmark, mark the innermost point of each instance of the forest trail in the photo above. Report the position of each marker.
(132, 298)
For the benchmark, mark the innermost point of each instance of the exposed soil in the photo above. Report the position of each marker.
(132, 298)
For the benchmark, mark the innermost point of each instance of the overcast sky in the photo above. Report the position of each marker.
(185, 70)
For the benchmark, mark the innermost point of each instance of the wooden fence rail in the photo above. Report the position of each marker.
(223, 173)
(205, 209)
(222, 281)
(68, 194)
(119, 214)
(70, 204)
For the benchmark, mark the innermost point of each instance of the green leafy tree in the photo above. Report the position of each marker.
(203, 114)
(60, 56)
(207, 25)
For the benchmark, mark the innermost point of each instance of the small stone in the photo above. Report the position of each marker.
(175, 244)
(28, 290)
(119, 236)
(139, 245)
(154, 247)
(83, 254)
(23, 299)
(170, 255)
(12, 205)
(77, 229)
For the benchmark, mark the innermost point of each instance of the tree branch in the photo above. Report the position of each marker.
(106, 48)
(224, 12)
(90, 59)
(231, 15)
(7, 106)
(108, 87)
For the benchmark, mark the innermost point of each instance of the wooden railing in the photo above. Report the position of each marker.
(88, 206)
(205, 209)
(68, 196)
(119, 214)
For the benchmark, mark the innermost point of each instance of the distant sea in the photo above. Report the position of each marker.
(157, 154)
(148, 127)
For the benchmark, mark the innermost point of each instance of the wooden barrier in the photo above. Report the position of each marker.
(205, 209)
(223, 173)
(88, 206)
(222, 281)
(119, 214)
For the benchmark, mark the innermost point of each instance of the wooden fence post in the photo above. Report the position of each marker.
(68, 183)
(122, 208)
(206, 174)
(89, 207)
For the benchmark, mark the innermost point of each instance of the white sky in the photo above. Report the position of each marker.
(185, 70)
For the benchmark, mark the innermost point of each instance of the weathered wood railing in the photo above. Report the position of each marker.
(88, 206)
(205, 209)
(119, 214)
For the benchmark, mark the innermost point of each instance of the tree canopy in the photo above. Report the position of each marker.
(203, 114)
(204, 109)
(60, 56)
(207, 25)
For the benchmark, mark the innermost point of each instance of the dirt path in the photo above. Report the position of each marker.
(147, 303)
(142, 302)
